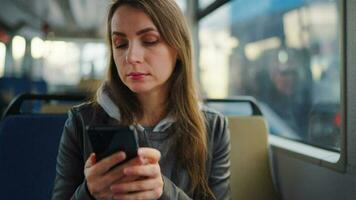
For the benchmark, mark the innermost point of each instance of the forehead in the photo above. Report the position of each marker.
(128, 18)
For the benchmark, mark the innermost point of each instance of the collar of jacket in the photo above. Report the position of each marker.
(113, 111)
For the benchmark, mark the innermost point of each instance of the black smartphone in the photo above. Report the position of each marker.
(107, 140)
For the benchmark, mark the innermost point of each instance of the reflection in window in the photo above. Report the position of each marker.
(284, 53)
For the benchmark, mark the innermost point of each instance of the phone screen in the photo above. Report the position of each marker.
(107, 140)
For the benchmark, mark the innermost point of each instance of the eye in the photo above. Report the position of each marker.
(120, 45)
(150, 43)
(150, 40)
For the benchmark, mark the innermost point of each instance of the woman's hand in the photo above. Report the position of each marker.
(100, 176)
(148, 187)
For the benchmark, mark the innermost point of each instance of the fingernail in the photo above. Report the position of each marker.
(93, 157)
(121, 155)
(139, 151)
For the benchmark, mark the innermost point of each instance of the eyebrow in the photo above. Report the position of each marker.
(140, 32)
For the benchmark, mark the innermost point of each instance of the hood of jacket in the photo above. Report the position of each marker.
(105, 100)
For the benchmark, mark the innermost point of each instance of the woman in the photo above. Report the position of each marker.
(150, 87)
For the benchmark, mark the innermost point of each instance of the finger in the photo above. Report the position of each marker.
(150, 194)
(104, 193)
(104, 165)
(143, 170)
(136, 186)
(117, 173)
(135, 161)
(90, 161)
(153, 155)
(126, 179)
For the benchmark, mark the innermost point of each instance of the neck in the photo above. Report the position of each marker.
(154, 108)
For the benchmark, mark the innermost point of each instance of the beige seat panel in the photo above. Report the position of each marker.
(250, 172)
(57, 108)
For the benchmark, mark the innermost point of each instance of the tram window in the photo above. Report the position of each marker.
(61, 59)
(93, 60)
(18, 52)
(284, 53)
(73, 60)
(37, 46)
(2, 58)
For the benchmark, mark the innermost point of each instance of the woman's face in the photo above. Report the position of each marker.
(143, 59)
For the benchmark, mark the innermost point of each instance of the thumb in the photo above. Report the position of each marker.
(149, 154)
(90, 161)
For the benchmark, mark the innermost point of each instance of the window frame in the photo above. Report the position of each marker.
(349, 112)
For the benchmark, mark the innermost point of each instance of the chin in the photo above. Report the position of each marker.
(139, 89)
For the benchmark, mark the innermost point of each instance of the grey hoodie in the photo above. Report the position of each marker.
(75, 149)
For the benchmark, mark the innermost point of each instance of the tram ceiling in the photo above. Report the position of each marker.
(55, 18)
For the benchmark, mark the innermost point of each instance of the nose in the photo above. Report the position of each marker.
(134, 54)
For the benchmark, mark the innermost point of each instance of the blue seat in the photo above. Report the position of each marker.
(28, 152)
(13, 86)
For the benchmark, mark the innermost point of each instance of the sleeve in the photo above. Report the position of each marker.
(219, 178)
(171, 191)
(70, 182)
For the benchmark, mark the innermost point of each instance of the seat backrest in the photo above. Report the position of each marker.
(56, 108)
(236, 106)
(15, 85)
(250, 172)
(28, 152)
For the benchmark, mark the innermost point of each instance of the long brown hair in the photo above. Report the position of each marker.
(182, 101)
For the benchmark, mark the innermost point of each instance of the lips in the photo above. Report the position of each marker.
(137, 75)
